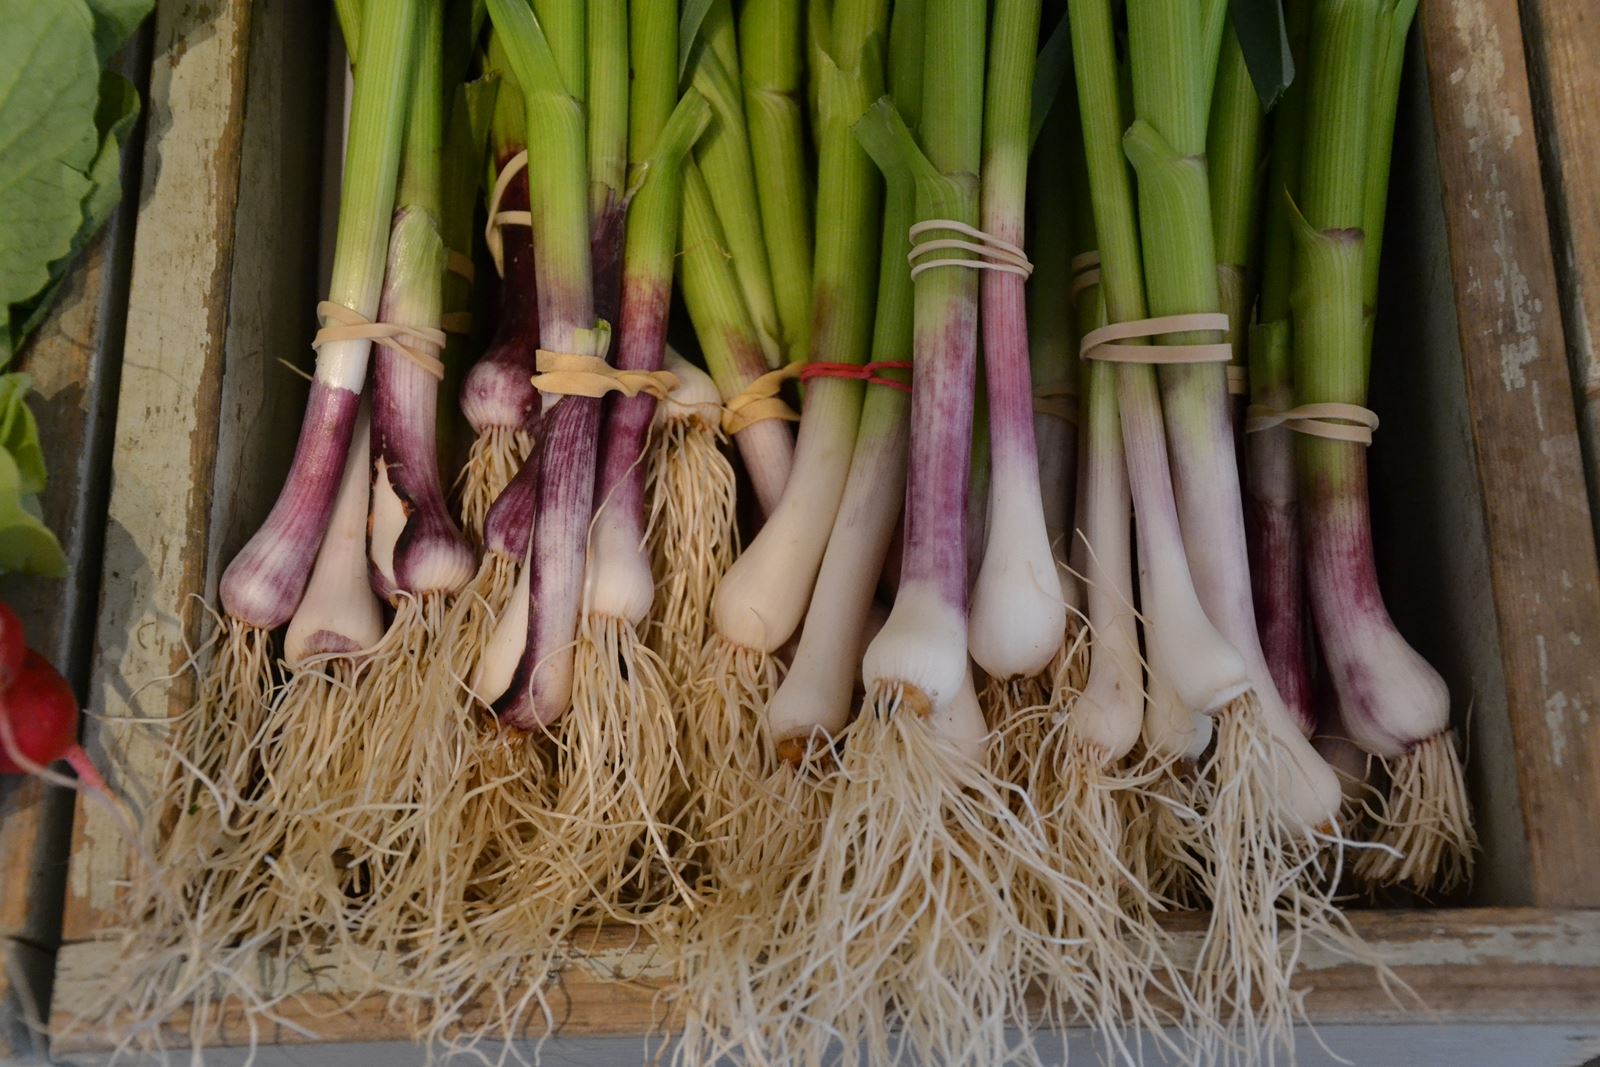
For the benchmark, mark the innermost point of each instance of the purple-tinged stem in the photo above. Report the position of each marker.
(431, 554)
(1389, 697)
(509, 526)
(1272, 520)
(498, 390)
(264, 583)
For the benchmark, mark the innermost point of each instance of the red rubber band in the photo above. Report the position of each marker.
(859, 372)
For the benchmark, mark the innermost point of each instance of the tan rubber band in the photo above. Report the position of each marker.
(1085, 272)
(460, 264)
(1060, 401)
(760, 401)
(497, 218)
(1103, 343)
(352, 326)
(1331, 421)
(456, 322)
(1238, 380)
(566, 374)
(994, 253)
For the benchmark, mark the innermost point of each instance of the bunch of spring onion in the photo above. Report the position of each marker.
(214, 832)
(1389, 701)
(760, 602)
(576, 775)
(906, 883)
(1088, 702)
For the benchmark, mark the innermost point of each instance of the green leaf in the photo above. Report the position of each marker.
(115, 116)
(19, 434)
(1049, 74)
(1264, 39)
(26, 545)
(114, 23)
(479, 100)
(349, 14)
(694, 14)
(49, 91)
(533, 64)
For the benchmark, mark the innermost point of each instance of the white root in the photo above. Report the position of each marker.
(1427, 824)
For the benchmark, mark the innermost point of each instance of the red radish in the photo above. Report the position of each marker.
(12, 647)
(38, 714)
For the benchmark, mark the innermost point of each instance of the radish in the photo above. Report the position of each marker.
(38, 713)
(13, 647)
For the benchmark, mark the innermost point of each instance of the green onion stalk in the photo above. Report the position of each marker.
(526, 667)
(775, 842)
(623, 696)
(397, 763)
(1053, 356)
(1234, 153)
(547, 48)
(726, 157)
(1200, 664)
(1275, 800)
(762, 600)
(729, 342)
(1103, 958)
(1277, 568)
(1392, 703)
(771, 58)
(912, 876)
(497, 395)
(1158, 819)
(1187, 656)
(684, 481)
(469, 108)
(1018, 617)
(1166, 145)
(264, 585)
(502, 406)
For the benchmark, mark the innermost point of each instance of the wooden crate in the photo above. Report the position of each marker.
(1487, 542)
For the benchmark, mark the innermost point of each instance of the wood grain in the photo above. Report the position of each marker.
(1469, 966)
(163, 470)
(73, 360)
(1563, 48)
(1524, 428)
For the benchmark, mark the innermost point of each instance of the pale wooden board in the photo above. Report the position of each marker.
(1564, 63)
(1543, 565)
(1414, 1045)
(1429, 530)
(163, 469)
(1470, 966)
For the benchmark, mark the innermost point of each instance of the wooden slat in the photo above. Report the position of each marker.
(1470, 966)
(1542, 557)
(1564, 64)
(166, 435)
(73, 361)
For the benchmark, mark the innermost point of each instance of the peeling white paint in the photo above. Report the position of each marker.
(1555, 721)
(1492, 126)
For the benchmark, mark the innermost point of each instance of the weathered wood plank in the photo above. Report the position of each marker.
(1563, 48)
(1470, 966)
(73, 361)
(166, 435)
(1524, 426)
